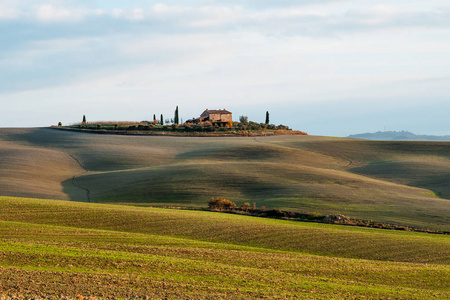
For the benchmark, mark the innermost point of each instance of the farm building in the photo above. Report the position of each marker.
(220, 117)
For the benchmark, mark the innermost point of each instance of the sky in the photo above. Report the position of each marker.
(326, 67)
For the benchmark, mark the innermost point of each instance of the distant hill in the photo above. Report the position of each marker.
(399, 136)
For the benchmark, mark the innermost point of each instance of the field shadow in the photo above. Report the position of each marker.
(179, 185)
(44, 137)
(232, 153)
(414, 175)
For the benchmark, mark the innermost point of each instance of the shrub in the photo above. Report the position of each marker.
(282, 127)
(221, 204)
(243, 119)
(254, 126)
(143, 127)
(244, 207)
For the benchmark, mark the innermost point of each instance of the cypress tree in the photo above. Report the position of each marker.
(162, 120)
(267, 117)
(154, 117)
(176, 119)
(84, 119)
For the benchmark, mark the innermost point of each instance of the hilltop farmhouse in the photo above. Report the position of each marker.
(220, 117)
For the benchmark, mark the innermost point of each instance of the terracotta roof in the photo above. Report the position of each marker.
(220, 111)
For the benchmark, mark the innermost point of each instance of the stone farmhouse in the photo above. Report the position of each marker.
(220, 117)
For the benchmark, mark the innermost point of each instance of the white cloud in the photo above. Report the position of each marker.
(8, 13)
(161, 8)
(215, 16)
(49, 13)
(336, 17)
(137, 14)
(117, 13)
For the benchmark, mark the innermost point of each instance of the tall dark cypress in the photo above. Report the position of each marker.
(154, 117)
(267, 118)
(162, 120)
(176, 119)
(84, 119)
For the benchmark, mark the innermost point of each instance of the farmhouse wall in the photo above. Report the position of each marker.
(217, 115)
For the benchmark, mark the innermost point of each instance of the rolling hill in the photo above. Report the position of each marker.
(59, 249)
(403, 183)
(114, 240)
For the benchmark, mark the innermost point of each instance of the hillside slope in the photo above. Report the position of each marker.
(57, 249)
(402, 183)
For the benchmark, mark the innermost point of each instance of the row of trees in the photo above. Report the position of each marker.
(161, 121)
(176, 119)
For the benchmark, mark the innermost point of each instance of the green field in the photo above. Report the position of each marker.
(115, 240)
(51, 247)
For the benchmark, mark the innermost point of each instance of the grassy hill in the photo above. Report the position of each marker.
(403, 183)
(57, 249)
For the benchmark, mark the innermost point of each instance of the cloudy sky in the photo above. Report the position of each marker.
(327, 67)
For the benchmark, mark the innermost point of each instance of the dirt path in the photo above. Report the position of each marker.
(88, 192)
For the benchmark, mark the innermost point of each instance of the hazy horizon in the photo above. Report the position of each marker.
(329, 67)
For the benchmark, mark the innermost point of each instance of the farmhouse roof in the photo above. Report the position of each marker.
(218, 111)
